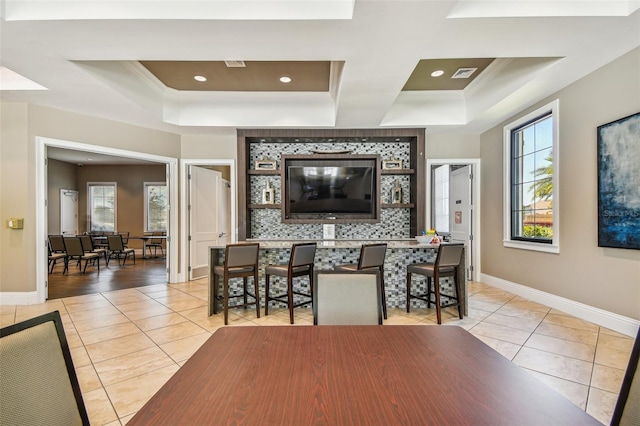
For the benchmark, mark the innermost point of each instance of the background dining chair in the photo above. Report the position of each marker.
(99, 239)
(125, 238)
(446, 265)
(87, 246)
(117, 249)
(300, 264)
(627, 409)
(54, 257)
(73, 247)
(156, 243)
(371, 257)
(39, 383)
(241, 261)
(347, 298)
(56, 242)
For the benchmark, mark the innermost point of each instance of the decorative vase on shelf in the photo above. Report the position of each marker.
(268, 194)
(396, 193)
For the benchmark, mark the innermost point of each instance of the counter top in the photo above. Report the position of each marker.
(269, 244)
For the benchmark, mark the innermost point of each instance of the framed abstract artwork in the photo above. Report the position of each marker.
(619, 183)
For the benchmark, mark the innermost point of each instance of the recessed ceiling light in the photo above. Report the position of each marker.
(199, 78)
(437, 73)
(285, 79)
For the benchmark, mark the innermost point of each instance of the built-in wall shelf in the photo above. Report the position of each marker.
(264, 206)
(397, 171)
(269, 172)
(398, 206)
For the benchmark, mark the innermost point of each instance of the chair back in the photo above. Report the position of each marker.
(125, 237)
(87, 243)
(73, 246)
(239, 255)
(115, 242)
(449, 255)
(627, 410)
(347, 298)
(302, 254)
(57, 243)
(372, 255)
(156, 240)
(39, 382)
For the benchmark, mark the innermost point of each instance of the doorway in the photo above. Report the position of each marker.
(208, 200)
(42, 144)
(453, 207)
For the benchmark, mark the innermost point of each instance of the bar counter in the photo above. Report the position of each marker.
(330, 253)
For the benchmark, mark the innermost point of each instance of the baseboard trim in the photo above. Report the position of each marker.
(19, 298)
(619, 323)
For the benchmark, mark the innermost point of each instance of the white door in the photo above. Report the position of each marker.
(224, 218)
(68, 212)
(461, 211)
(205, 200)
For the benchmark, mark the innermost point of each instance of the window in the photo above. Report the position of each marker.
(530, 181)
(156, 211)
(102, 206)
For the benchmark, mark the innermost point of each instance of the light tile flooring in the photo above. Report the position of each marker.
(126, 344)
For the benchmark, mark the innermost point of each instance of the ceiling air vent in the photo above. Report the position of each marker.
(235, 64)
(464, 72)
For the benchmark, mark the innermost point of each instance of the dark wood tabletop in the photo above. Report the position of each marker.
(345, 375)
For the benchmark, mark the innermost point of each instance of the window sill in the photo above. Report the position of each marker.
(525, 245)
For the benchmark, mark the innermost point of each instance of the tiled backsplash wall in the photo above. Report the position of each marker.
(267, 223)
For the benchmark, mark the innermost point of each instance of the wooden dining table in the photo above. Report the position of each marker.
(348, 375)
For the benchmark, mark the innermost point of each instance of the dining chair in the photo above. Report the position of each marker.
(371, 257)
(39, 382)
(87, 246)
(627, 409)
(56, 242)
(73, 247)
(125, 238)
(347, 298)
(156, 243)
(54, 257)
(301, 262)
(241, 261)
(99, 239)
(446, 265)
(118, 249)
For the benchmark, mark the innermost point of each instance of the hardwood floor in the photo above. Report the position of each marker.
(113, 277)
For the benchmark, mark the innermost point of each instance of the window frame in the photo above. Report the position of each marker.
(115, 204)
(146, 205)
(553, 110)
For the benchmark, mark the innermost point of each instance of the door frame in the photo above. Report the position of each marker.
(475, 169)
(42, 143)
(184, 205)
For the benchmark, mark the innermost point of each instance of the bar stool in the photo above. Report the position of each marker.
(300, 264)
(241, 261)
(447, 263)
(371, 257)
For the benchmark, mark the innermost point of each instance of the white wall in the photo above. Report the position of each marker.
(603, 278)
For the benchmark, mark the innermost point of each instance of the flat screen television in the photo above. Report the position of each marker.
(330, 189)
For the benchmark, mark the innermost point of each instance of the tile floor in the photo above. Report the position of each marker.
(126, 344)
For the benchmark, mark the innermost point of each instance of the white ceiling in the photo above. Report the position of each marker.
(86, 53)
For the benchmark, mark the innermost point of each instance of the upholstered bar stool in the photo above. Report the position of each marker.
(371, 257)
(240, 261)
(447, 263)
(300, 264)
